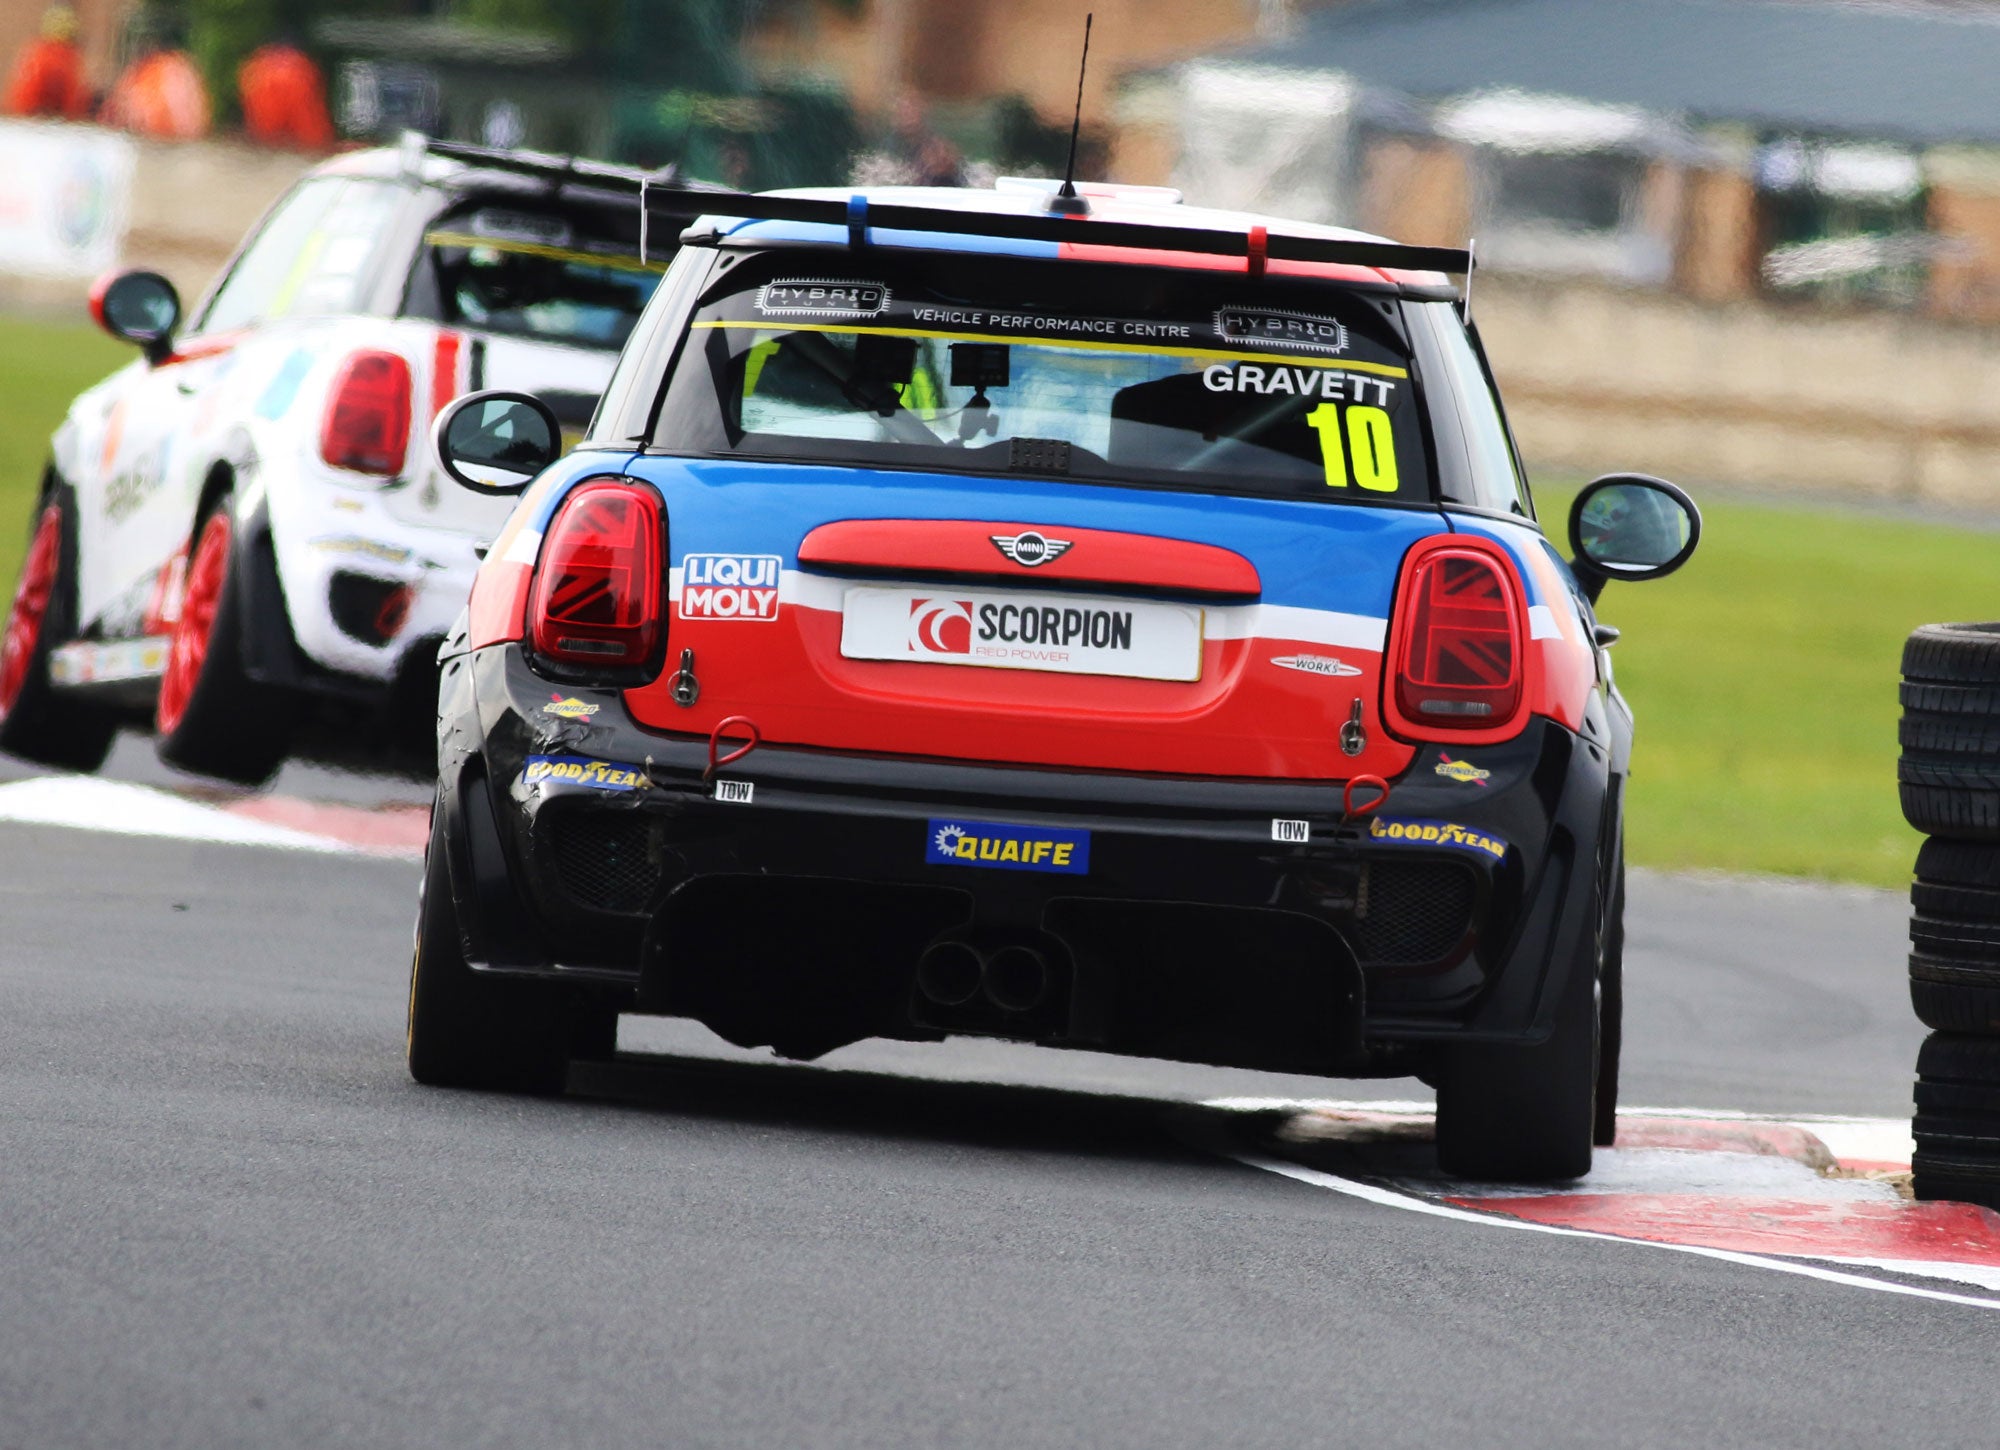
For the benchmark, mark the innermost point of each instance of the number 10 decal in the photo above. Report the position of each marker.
(1369, 441)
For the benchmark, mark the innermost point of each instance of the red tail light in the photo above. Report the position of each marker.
(596, 601)
(1460, 657)
(367, 423)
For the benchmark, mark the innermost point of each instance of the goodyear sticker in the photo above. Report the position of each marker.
(569, 708)
(577, 770)
(1396, 831)
(1008, 848)
(1462, 771)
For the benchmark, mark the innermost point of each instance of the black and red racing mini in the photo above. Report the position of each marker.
(1125, 631)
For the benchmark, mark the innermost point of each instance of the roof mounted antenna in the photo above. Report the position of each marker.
(1465, 297)
(1066, 200)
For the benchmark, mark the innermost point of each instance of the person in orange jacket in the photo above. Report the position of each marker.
(48, 76)
(284, 99)
(159, 95)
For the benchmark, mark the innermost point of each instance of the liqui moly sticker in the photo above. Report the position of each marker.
(730, 586)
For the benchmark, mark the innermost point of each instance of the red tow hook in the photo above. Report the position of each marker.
(749, 727)
(1350, 812)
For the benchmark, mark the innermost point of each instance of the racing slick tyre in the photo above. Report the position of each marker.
(212, 718)
(34, 723)
(1526, 1114)
(1949, 771)
(1957, 1123)
(466, 1028)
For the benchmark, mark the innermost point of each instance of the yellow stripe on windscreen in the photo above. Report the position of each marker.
(1150, 349)
(542, 249)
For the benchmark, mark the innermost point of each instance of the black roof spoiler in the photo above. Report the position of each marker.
(858, 216)
(560, 171)
(665, 193)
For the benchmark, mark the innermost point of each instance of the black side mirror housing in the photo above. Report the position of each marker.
(141, 308)
(495, 442)
(1630, 526)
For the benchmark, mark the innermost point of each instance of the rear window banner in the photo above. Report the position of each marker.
(1233, 331)
(1309, 401)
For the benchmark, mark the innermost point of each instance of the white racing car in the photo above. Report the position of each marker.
(241, 535)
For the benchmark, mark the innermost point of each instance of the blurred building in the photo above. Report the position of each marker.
(1840, 150)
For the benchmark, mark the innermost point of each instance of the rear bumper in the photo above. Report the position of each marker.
(1194, 931)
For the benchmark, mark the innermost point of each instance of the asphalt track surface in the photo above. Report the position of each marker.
(228, 1218)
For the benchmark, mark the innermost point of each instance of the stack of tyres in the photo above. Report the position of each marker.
(1949, 777)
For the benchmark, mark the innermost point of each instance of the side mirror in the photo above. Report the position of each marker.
(1630, 526)
(496, 442)
(141, 308)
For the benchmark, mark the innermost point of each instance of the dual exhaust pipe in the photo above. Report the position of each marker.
(1013, 977)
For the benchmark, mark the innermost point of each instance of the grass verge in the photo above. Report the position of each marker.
(43, 366)
(1764, 680)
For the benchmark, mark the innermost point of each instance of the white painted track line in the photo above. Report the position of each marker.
(89, 803)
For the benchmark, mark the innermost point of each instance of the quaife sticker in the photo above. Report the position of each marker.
(1394, 831)
(1008, 848)
(579, 770)
(822, 297)
(730, 586)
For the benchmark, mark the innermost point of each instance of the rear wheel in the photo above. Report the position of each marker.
(470, 1029)
(211, 717)
(34, 723)
(1527, 1114)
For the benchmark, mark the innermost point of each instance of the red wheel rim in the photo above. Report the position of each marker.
(37, 586)
(189, 649)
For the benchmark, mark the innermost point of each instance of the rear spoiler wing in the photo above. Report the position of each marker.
(667, 195)
(562, 171)
(858, 216)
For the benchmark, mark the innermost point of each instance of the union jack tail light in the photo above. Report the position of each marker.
(596, 597)
(1460, 644)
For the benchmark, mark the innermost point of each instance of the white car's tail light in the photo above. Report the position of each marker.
(367, 423)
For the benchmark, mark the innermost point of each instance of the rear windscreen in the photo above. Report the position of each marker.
(992, 365)
(531, 274)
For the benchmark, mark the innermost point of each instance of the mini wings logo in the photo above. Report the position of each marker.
(940, 627)
(1029, 549)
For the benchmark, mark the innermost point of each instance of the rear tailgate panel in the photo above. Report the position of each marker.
(1278, 673)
